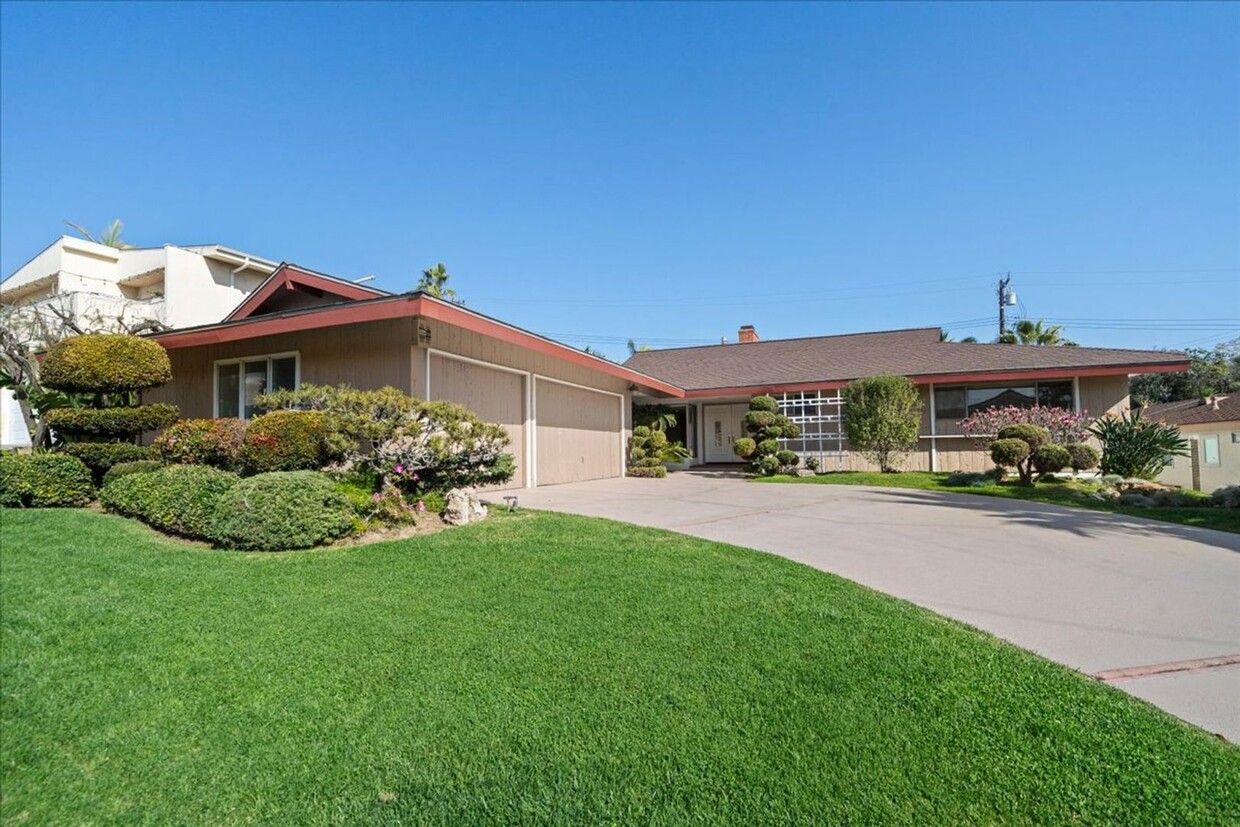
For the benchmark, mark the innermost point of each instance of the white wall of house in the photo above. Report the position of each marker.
(1214, 459)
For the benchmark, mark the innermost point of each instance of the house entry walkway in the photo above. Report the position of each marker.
(1150, 607)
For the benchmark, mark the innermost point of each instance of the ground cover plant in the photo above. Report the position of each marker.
(541, 669)
(1075, 493)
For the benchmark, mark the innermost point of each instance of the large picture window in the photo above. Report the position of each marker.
(239, 382)
(959, 402)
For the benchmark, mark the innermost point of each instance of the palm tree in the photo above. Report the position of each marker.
(435, 283)
(635, 348)
(110, 237)
(1028, 332)
(944, 336)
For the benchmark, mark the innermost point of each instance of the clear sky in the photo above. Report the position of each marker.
(663, 172)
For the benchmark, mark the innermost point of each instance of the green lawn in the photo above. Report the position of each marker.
(540, 669)
(1057, 493)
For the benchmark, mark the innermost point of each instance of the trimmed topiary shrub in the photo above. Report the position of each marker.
(1048, 459)
(285, 441)
(1032, 436)
(1227, 497)
(109, 422)
(649, 448)
(656, 472)
(179, 499)
(279, 511)
(1082, 457)
(766, 427)
(124, 469)
(105, 363)
(214, 442)
(100, 456)
(44, 481)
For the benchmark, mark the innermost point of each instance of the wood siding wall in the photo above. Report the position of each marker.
(578, 433)
(495, 395)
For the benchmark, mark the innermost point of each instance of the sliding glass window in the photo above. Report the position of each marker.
(239, 382)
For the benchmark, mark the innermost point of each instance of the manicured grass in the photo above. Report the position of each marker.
(1057, 493)
(540, 669)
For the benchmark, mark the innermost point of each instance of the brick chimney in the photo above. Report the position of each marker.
(746, 334)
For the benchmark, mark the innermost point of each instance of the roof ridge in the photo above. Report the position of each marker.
(793, 339)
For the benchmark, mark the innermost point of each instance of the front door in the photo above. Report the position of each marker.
(724, 425)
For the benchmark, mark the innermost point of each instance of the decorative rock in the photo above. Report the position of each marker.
(462, 508)
(804, 472)
(456, 509)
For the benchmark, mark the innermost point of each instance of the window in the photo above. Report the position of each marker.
(1209, 449)
(239, 382)
(959, 402)
(819, 416)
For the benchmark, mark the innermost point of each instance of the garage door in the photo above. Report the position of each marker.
(578, 433)
(495, 395)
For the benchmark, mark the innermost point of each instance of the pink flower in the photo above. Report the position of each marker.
(376, 497)
(421, 506)
(400, 469)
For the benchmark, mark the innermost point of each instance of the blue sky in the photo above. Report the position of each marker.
(664, 172)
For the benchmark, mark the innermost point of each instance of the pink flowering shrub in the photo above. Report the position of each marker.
(1065, 426)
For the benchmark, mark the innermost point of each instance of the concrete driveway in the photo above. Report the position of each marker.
(1152, 607)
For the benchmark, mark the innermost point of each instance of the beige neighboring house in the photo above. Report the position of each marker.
(1212, 427)
(95, 284)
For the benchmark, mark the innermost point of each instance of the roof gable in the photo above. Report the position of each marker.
(291, 287)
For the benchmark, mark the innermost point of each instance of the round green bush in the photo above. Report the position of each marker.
(110, 422)
(787, 459)
(657, 441)
(285, 441)
(1009, 451)
(648, 473)
(791, 430)
(279, 511)
(636, 453)
(764, 403)
(1048, 459)
(100, 456)
(123, 469)
(1032, 435)
(768, 464)
(768, 446)
(648, 462)
(744, 447)
(105, 363)
(641, 431)
(214, 442)
(1083, 457)
(756, 420)
(179, 499)
(44, 481)
(1227, 497)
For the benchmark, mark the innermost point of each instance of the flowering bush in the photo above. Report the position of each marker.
(1065, 426)
(286, 441)
(214, 442)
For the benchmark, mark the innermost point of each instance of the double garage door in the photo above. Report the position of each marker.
(576, 433)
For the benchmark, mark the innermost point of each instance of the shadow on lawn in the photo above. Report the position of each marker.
(1082, 522)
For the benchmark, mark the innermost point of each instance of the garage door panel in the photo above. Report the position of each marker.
(494, 395)
(578, 434)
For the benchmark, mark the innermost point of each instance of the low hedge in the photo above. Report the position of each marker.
(110, 421)
(179, 499)
(105, 363)
(285, 441)
(123, 469)
(281, 510)
(214, 442)
(100, 456)
(654, 472)
(44, 481)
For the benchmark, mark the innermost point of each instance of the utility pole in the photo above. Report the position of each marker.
(1003, 298)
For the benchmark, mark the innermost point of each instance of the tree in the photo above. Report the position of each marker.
(882, 416)
(944, 336)
(1028, 332)
(766, 426)
(110, 237)
(434, 282)
(635, 348)
(1215, 371)
(593, 352)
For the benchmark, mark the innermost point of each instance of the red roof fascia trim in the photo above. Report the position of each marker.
(441, 311)
(400, 307)
(286, 276)
(954, 378)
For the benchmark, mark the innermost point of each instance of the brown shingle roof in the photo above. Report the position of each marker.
(915, 352)
(1195, 411)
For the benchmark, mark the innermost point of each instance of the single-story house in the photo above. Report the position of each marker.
(1212, 427)
(570, 413)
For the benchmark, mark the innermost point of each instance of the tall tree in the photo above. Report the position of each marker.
(945, 336)
(1028, 332)
(1215, 371)
(434, 282)
(635, 348)
(110, 237)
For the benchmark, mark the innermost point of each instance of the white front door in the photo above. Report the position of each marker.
(724, 425)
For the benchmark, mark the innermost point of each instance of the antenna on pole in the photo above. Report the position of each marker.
(1007, 299)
